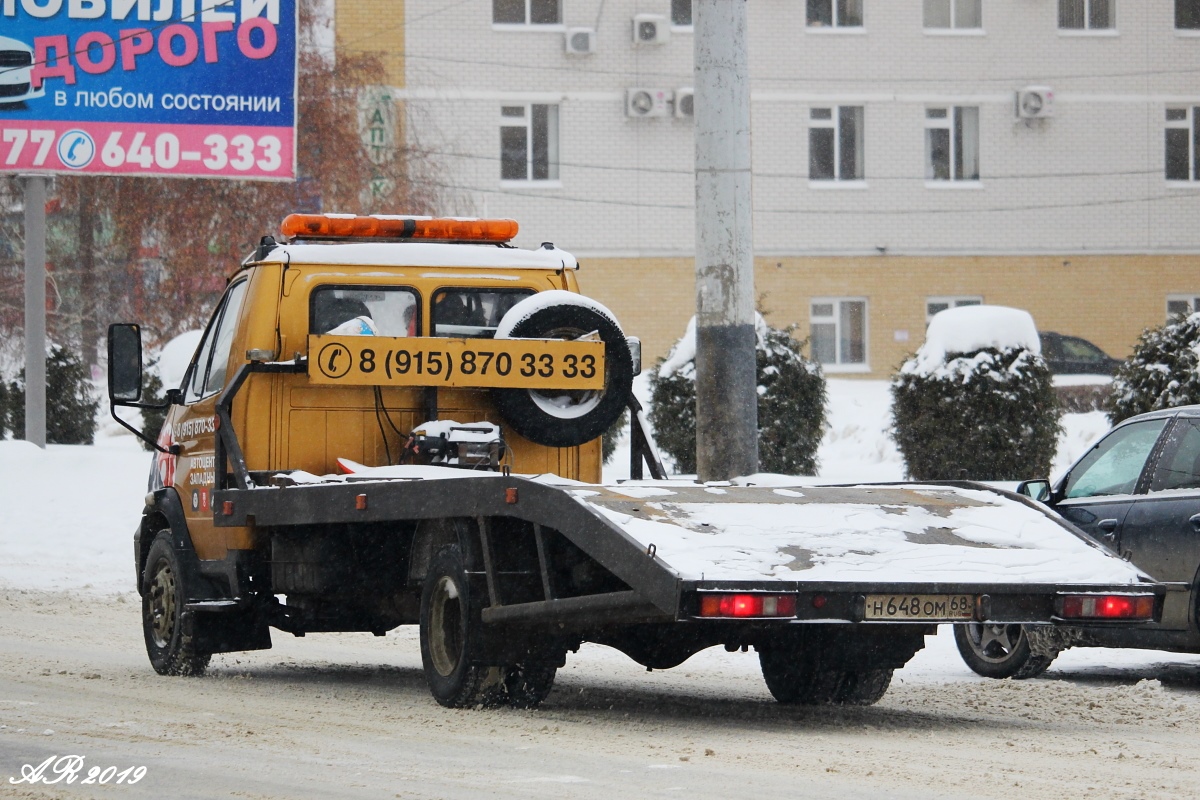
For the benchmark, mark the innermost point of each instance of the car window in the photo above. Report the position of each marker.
(1180, 467)
(1082, 350)
(472, 313)
(365, 311)
(200, 374)
(1114, 465)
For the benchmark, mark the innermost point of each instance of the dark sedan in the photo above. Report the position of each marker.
(1137, 491)
(1070, 355)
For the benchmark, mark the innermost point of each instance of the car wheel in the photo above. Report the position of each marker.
(170, 640)
(999, 651)
(570, 417)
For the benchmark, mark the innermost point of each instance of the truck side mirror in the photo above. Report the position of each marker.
(1038, 489)
(124, 363)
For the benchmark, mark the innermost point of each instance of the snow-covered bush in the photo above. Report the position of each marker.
(1164, 370)
(976, 400)
(791, 403)
(70, 405)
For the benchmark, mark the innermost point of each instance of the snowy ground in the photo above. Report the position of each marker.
(348, 715)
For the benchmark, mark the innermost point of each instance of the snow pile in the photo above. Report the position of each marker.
(968, 329)
(70, 512)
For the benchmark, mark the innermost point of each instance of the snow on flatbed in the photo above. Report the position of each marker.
(792, 530)
(885, 533)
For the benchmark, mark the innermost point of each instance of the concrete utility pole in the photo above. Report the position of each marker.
(35, 310)
(726, 399)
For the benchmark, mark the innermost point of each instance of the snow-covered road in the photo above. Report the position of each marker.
(347, 715)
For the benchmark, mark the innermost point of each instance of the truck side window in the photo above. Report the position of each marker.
(1115, 464)
(207, 374)
(473, 313)
(381, 311)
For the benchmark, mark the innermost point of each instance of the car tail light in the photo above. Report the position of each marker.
(1106, 606)
(747, 605)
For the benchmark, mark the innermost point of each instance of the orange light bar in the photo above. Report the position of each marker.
(319, 226)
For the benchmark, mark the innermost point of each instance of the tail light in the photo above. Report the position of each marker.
(1106, 606)
(747, 605)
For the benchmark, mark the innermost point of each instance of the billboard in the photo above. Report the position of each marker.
(187, 88)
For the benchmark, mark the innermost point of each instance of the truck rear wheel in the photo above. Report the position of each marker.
(170, 643)
(527, 685)
(450, 633)
(864, 687)
(570, 417)
(797, 677)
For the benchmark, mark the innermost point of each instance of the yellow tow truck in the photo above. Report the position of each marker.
(397, 420)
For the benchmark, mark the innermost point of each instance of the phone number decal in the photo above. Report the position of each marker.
(116, 149)
(465, 363)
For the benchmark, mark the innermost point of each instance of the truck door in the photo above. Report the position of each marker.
(194, 427)
(1099, 490)
(1162, 530)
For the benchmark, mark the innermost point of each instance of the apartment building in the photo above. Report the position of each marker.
(908, 155)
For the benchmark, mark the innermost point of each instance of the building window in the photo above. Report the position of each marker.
(835, 13)
(952, 144)
(1187, 15)
(681, 13)
(835, 144)
(838, 331)
(935, 305)
(529, 143)
(1080, 15)
(1182, 305)
(1182, 144)
(957, 14)
(526, 12)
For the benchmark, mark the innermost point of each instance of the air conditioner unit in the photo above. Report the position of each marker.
(651, 29)
(1035, 102)
(581, 41)
(640, 103)
(685, 102)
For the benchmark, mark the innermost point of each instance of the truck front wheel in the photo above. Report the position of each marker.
(450, 633)
(170, 641)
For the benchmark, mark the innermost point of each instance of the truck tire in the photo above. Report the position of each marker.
(864, 687)
(527, 685)
(170, 639)
(573, 417)
(450, 634)
(1000, 651)
(795, 676)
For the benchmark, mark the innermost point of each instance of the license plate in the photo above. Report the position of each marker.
(920, 606)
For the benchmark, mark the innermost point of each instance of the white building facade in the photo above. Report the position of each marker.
(951, 150)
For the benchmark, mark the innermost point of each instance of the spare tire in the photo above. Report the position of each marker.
(573, 417)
